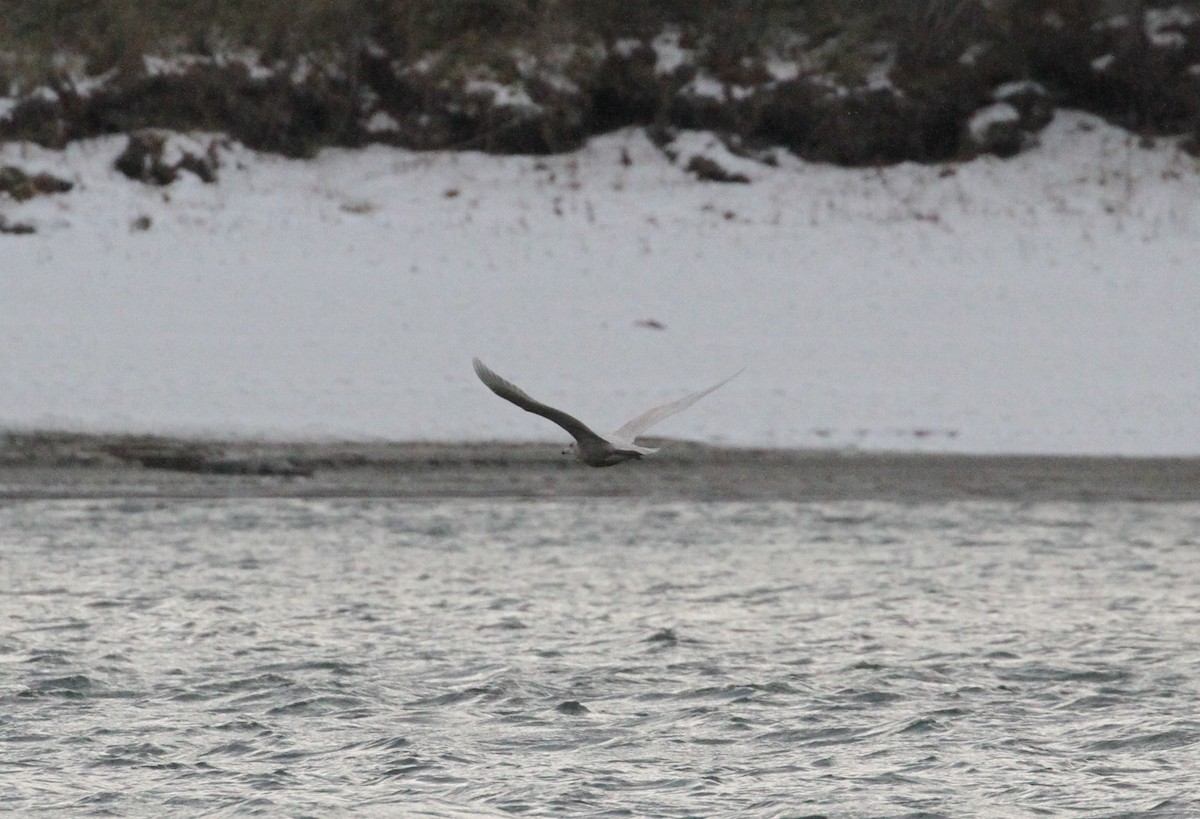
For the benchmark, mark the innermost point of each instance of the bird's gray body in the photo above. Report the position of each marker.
(590, 447)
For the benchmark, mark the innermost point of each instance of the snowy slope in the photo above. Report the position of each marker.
(1047, 303)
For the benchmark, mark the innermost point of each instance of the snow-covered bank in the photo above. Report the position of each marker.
(1047, 303)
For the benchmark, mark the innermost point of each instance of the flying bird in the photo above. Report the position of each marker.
(591, 448)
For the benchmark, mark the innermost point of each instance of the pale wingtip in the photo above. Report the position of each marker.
(483, 373)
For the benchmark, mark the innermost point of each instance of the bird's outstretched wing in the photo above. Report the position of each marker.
(632, 429)
(511, 392)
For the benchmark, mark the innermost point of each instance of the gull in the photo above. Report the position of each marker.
(591, 448)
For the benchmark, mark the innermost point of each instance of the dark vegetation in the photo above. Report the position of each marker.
(878, 82)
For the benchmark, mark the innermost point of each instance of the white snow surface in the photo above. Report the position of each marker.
(995, 114)
(1048, 303)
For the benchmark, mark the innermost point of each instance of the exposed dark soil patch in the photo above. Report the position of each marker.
(21, 186)
(146, 159)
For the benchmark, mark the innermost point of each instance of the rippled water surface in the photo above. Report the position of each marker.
(466, 658)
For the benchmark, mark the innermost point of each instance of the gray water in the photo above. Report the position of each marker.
(599, 658)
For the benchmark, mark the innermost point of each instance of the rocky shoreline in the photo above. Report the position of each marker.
(76, 466)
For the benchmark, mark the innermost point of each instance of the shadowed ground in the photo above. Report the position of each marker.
(53, 465)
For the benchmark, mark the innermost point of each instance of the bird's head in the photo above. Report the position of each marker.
(572, 449)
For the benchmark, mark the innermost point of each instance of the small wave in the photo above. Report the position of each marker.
(1159, 740)
(708, 665)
